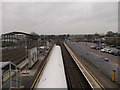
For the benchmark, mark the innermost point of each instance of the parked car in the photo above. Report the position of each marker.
(103, 44)
(116, 53)
(104, 59)
(107, 50)
(93, 47)
(103, 50)
(98, 48)
(113, 45)
(111, 52)
(118, 47)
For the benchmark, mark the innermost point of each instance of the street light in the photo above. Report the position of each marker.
(26, 54)
(44, 45)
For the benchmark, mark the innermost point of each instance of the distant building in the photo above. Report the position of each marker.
(13, 38)
(113, 40)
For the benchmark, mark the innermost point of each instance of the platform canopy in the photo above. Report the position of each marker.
(5, 66)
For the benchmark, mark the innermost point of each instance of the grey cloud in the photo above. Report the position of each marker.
(60, 18)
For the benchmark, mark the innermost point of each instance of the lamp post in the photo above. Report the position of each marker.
(26, 54)
(44, 44)
(0, 79)
(10, 75)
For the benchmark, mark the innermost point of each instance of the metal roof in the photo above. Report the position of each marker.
(12, 33)
(3, 64)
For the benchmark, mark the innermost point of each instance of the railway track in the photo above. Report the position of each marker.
(75, 78)
(15, 56)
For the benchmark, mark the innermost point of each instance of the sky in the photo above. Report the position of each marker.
(60, 17)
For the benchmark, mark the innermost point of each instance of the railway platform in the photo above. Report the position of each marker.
(26, 74)
(98, 78)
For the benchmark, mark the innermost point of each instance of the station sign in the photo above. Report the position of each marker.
(32, 56)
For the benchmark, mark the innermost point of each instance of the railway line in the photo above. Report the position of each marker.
(15, 56)
(74, 76)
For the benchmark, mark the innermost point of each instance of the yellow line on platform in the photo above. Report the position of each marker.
(74, 56)
(40, 72)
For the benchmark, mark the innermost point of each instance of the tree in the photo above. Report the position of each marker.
(33, 33)
(110, 34)
(35, 36)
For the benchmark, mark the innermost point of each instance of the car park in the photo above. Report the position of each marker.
(113, 52)
(107, 50)
(110, 55)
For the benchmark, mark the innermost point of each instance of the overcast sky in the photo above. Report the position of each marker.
(60, 17)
